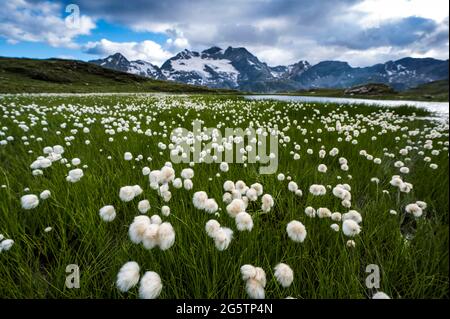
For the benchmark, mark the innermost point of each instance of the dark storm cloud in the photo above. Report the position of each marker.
(397, 33)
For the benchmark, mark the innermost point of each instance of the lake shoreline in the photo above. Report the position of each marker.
(441, 108)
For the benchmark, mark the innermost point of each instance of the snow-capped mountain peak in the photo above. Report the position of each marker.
(139, 67)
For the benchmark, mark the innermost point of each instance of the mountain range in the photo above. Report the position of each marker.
(237, 68)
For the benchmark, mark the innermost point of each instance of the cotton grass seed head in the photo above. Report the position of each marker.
(353, 215)
(310, 212)
(284, 275)
(138, 227)
(244, 221)
(150, 236)
(258, 187)
(414, 209)
(222, 238)
(336, 216)
(165, 210)
(127, 193)
(380, 295)
(29, 201)
(228, 186)
(254, 289)
(75, 175)
(211, 206)
(199, 199)
(235, 207)
(144, 206)
(322, 168)
(248, 271)
(323, 212)
(350, 228)
(292, 186)
(6, 244)
(107, 213)
(45, 194)
(296, 231)
(211, 227)
(150, 286)
(166, 236)
(128, 276)
(351, 243)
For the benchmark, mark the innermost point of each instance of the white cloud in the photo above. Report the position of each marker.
(274, 56)
(146, 50)
(377, 11)
(40, 22)
(178, 43)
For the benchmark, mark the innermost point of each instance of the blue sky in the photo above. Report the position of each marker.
(362, 32)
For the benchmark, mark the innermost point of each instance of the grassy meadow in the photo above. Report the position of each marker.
(411, 251)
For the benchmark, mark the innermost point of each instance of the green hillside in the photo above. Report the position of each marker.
(436, 90)
(56, 75)
(432, 91)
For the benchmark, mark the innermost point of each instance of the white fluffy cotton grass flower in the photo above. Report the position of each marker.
(353, 215)
(284, 274)
(258, 187)
(244, 221)
(296, 231)
(128, 276)
(211, 206)
(350, 228)
(128, 193)
(188, 184)
(236, 206)
(187, 173)
(380, 295)
(322, 168)
(310, 212)
(254, 289)
(107, 213)
(138, 227)
(127, 156)
(414, 209)
(29, 201)
(267, 203)
(150, 236)
(317, 190)
(222, 236)
(150, 286)
(211, 227)
(144, 206)
(165, 210)
(6, 244)
(292, 186)
(199, 199)
(45, 194)
(324, 212)
(75, 175)
(351, 243)
(228, 186)
(255, 281)
(166, 236)
(252, 194)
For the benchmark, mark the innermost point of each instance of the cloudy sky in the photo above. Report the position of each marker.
(362, 32)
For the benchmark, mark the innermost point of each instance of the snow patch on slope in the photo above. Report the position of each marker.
(198, 65)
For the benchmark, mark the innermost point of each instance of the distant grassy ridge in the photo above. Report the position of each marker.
(432, 91)
(56, 75)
